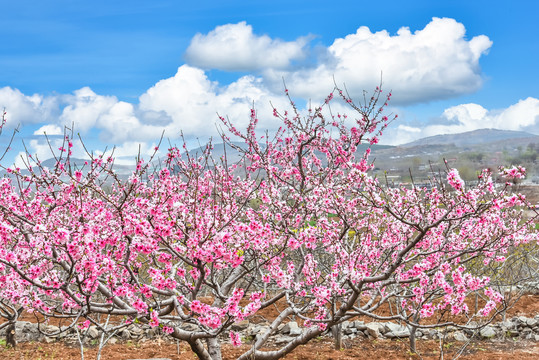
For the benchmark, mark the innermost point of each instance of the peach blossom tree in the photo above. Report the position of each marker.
(297, 223)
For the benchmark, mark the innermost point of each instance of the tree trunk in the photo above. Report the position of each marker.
(336, 330)
(11, 334)
(413, 348)
(199, 350)
(214, 348)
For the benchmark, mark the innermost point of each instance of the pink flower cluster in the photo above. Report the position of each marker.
(299, 221)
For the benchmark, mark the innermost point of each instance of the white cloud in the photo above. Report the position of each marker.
(84, 108)
(409, 129)
(235, 47)
(522, 116)
(49, 129)
(23, 109)
(190, 102)
(187, 102)
(433, 63)
(120, 123)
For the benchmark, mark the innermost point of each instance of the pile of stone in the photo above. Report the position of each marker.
(27, 331)
(519, 327)
(530, 287)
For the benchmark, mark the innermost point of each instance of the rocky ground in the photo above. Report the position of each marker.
(515, 338)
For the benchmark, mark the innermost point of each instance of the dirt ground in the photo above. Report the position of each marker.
(319, 349)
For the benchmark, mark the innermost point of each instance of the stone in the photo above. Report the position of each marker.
(51, 329)
(380, 326)
(392, 327)
(253, 329)
(473, 324)
(93, 332)
(360, 334)
(487, 332)
(112, 341)
(292, 328)
(64, 331)
(49, 340)
(72, 340)
(392, 330)
(398, 334)
(259, 330)
(360, 325)
(460, 336)
(531, 322)
(433, 334)
(372, 330)
(450, 329)
(125, 334)
(282, 339)
(153, 332)
(27, 331)
(240, 325)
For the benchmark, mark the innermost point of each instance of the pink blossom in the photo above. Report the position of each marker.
(140, 306)
(235, 338)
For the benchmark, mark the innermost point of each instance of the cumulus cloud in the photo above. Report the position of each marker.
(84, 108)
(50, 129)
(235, 47)
(190, 102)
(27, 109)
(187, 101)
(436, 62)
(522, 116)
(432, 63)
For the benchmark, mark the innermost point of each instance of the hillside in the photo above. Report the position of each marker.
(469, 152)
(471, 138)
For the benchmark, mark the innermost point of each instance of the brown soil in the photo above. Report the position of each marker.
(318, 349)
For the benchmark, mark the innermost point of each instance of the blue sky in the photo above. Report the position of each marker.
(124, 71)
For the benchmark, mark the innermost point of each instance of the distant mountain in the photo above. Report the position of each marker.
(489, 146)
(476, 137)
(76, 163)
(233, 155)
